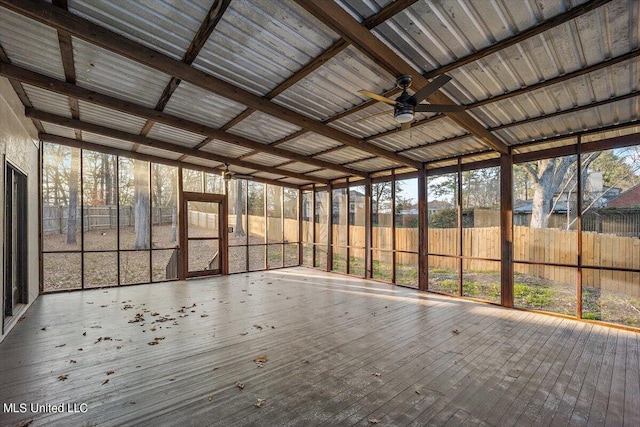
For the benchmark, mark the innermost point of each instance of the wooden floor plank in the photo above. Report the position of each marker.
(440, 360)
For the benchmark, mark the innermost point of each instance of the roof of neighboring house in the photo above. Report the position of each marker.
(628, 199)
(527, 207)
(437, 205)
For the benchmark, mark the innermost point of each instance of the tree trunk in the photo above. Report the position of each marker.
(73, 197)
(547, 180)
(239, 205)
(141, 185)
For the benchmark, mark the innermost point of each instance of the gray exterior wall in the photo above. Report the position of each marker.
(17, 147)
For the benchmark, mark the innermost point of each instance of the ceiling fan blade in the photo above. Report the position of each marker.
(378, 97)
(373, 116)
(432, 108)
(405, 126)
(430, 88)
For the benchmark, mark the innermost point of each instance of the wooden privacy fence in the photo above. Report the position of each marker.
(530, 244)
(54, 218)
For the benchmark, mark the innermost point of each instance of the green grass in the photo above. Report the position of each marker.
(537, 296)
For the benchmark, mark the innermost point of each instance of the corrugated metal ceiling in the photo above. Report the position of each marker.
(258, 45)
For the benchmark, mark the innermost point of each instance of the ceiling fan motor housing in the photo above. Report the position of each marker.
(405, 108)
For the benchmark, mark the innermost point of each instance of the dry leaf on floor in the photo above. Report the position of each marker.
(305, 361)
(244, 333)
(154, 342)
(80, 349)
(72, 361)
(63, 377)
(26, 423)
(374, 421)
(158, 338)
(240, 385)
(455, 332)
(204, 315)
(259, 402)
(44, 329)
(417, 392)
(172, 378)
(210, 398)
(110, 372)
(257, 327)
(155, 313)
(377, 374)
(84, 334)
(105, 381)
(61, 345)
(261, 359)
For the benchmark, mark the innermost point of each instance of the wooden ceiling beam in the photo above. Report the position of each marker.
(64, 88)
(84, 29)
(154, 143)
(83, 145)
(20, 92)
(336, 18)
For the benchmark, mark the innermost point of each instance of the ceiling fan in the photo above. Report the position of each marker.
(405, 106)
(228, 175)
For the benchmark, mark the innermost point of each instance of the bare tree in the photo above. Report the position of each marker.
(239, 231)
(73, 197)
(141, 184)
(547, 176)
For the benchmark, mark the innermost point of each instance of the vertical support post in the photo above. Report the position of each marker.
(423, 272)
(393, 226)
(182, 229)
(223, 223)
(348, 241)
(460, 228)
(300, 228)
(282, 225)
(579, 227)
(368, 231)
(330, 227)
(313, 226)
(150, 188)
(117, 200)
(80, 175)
(506, 229)
(40, 223)
(265, 239)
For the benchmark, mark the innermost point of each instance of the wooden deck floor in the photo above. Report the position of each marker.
(340, 351)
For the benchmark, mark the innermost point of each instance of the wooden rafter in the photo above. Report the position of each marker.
(336, 18)
(202, 35)
(19, 90)
(68, 65)
(154, 143)
(337, 47)
(86, 30)
(64, 88)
